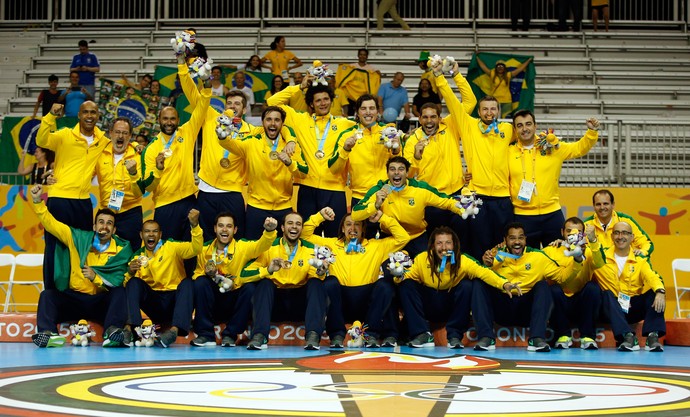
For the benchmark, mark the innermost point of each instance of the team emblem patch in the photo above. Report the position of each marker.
(411, 202)
(180, 139)
(300, 262)
(528, 266)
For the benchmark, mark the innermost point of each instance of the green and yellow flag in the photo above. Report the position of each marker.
(521, 86)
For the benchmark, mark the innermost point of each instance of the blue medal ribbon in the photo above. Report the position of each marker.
(158, 246)
(168, 143)
(322, 141)
(353, 246)
(493, 126)
(293, 253)
(500, 256)
(100, 247)
(444, 259)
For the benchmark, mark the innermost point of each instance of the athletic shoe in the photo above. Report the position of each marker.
(371, 342)
(537, 344)
(425, 339)
(588, 343)
(652, 343)
(563, 342)
(128, 339)
(228, 341)
(166, 339)
(114, 337)
(258, 342)
(48, 339)
(202, 341)
(455, 343)
(337, 341)
(312, 340)
(629, 343)
(485, 344)
(389, 341)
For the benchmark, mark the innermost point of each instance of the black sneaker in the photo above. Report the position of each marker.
(485, 344)
(258, 342)
(371, 342)
(629, 343)
(202, 341)
(455, 343)
(537, 344)
(228, 341)
(114, 337)
(652, 343)
(389, 341)
(312, 341)
(47, 338)
(425, 339)
(128, 338)
(166, 339)
(337, 341)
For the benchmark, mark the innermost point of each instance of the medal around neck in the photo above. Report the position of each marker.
(225, 163)
(319, 154)
(167, 153)
(273, 155)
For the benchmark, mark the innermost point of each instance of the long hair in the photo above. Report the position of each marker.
(435, 262)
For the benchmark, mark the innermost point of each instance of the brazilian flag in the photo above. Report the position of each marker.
(19, 134)
(260, 82)
(521, 86)
(167, 76)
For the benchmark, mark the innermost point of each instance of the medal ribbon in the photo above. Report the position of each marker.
(225, 255)
(294, 251)
(500, 256)
(353, 246)
(322, 141)
(493, 126)
(100, 247)
(169, 142)
(443, 261)
(158, 246)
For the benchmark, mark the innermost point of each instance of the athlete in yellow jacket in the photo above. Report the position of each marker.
(354, 288)
(438, 287)
(156, 281)
(216, 299)
(535, 168)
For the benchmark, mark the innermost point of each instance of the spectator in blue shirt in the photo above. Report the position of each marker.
(74, 95)
(392, 98)
(86, 64)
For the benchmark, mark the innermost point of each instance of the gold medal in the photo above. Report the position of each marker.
(167, 153)
(287, 264)
(273, 155)
(319, 155)
(225, 163)
(143, 260)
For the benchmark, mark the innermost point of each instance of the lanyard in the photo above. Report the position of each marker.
(294, 251)
(274, 146)
(226, 152)
(398, 188)
(215, 257)
(534, 164)
(158, 246)
(443, 261)
(500, 256)
(100, 247)
(168, 143)
(325, 132)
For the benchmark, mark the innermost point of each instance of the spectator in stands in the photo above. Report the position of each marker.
(91, 277)
(605, 216)
(143, 85)
(74, 95)
(239, 85)
(40, 170)
(534, 171)
(518, 9)
(564, 8)
(425, 94)
(77, 151)
(141, 140)
(218, 89)
(357, 79)
(393, 97)
(427, 74)
(529, 268)
(156, 281)
(500, 77)
(280, 58)
(86, 64)
(600, 6)
(278, 84)
(438, 287)
(252, 64)
(47, 97)
(631, 291)
(388, 6)
(155, 88)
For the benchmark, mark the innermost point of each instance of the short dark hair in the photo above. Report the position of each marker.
(282, 221)
(217, 67)
(365, 50)
(362, 99)
(237, 93)
(225, 214)
(523, 113)
(487, 98)
(319, 88)
(609, 193)
(83, 43)
(429, 105)
(150, 221)
(576, 220)
(269, 109)
(106, 211)
(513, 225)
(122, 119)
(398, 159)
(52, 77)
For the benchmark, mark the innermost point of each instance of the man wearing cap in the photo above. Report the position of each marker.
(427, 73)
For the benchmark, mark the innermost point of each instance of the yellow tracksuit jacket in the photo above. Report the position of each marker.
(294, 277)
(636, 278)
(116, 177)
(641, 239)
(469, 268)
(532, 267)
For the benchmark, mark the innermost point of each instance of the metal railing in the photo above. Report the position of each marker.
(302, 12)
(628, 154)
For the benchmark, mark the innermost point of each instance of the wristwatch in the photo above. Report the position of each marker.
(661, 290)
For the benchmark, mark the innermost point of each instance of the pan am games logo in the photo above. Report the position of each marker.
(350, 383)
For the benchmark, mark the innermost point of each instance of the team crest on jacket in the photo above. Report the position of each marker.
(300, 262)
(503, 135)
(411, 202)
(334, 128)
(528, 266)
(180, 139)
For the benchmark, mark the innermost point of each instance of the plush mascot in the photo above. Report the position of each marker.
(470, 203)
(448, 63)
(81, 333)
(228, 124)
(573, 243)
(322, 254)
(388, 134)
(201, 68)
(547, 142)
(320, 71)
(147, 334)
(398, 262)
(357, 333)
(183, 42)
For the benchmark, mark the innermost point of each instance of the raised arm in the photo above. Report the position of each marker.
(521, 68)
